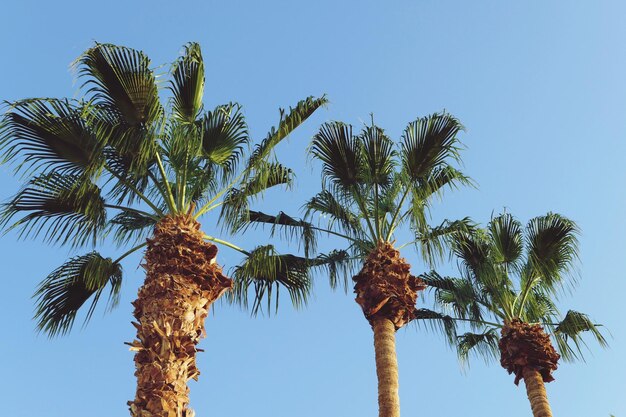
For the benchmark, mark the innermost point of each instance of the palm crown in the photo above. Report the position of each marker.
(371, 187)
(116, 162)
(509, 274)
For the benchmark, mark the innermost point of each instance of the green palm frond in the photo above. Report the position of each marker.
(569, 331)
(187, 84)
(437, 321)
(506, 234)
(49, 134)
(439, 178)
(483, 344)
(266, 271)
(130, 227)
(427, 143)
(292, 228)
(66, 208)
(224, 137)
(338, 264)
(326, 205)
(236, 203)
(341, 155)
(121, 80)
(458, 296)
(289, 121)
(378, 156)
(552, 246)
(433, 242)
(67, 288)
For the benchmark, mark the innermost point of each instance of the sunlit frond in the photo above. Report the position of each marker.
(428, 143)
(289, 121)
(187, 84)
(67, 288)
(483, 344)
(65, 208)
(224, 137)
(326, 205)
(434, 242)
(569, 331)
(292, 228)
(130, 227)
(552, 246)
(266, 272)
(49, 134)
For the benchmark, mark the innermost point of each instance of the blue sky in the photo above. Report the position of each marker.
(540, 87)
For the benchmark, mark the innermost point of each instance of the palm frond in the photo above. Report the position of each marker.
(288, 122)
(224, 137)
(267, 271)
(506, 234)
(552, 246)
(49, 134)
(457, 295)
(428, 143)
(130, 227)
(437, 321)
(67, 208)
(483, 344)
(325, 204)
(69, 287)
(433, 242)
(267, 175)
(378, 156)
(292, 228)
(120, 79)
(341, 155)
(568, 334)
(187, 84)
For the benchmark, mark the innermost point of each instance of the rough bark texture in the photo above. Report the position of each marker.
(385, 287)
(526, 346)
(386, 368)
(182, 280)
(536, 393)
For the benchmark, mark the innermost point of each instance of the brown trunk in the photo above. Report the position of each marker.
(386, 368)
(536, 393)
(387, 293)
(182, 280)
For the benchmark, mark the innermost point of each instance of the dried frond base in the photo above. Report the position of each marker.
(527, 346)
(385, 287)
(182, 280)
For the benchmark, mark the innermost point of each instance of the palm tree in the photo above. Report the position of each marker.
(371, 188)
(120, 164)
(507, 292)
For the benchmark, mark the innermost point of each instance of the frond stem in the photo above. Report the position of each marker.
(125, 254)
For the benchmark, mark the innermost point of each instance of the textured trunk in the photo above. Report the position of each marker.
(536, 393)
(182, 280)
(386, 368)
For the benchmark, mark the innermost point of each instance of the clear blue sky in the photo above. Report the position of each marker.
(541, 88)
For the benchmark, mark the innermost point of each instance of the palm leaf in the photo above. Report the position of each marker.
(378, 156)
(69, 287)
(325, 204)
(120, 79)
(130, 226)
(506, 234)
(224, 136)
(436, 321)
(68, 208)
(428, 143)
(49, 134)
(187, 84)
(552, 246)
(568, 334)
(484, 344)
(341, 156)
(266, 272)
(288, 122)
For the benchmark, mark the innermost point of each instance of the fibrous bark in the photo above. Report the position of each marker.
(536, 391)
(526, 346)
(386, 368)
(182, 280)
(385, 287)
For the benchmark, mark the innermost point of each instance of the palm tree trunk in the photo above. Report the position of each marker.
(182, 280)
(386, 367)
(536, 391)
